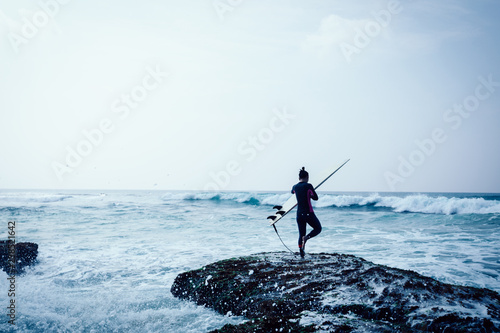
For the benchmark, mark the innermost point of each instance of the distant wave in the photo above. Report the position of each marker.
(246, 198)
(415, 203)
(411, 203)
(32, 197)
(41, 199)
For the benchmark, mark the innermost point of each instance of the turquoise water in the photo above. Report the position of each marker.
(107, 260)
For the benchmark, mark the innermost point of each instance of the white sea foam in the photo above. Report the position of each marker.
(30, 197)
(106, 262)
(414, 203)
(237, 197)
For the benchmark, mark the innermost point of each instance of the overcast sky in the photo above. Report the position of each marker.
(239, 95)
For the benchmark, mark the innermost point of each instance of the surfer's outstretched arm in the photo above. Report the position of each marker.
(314, 195)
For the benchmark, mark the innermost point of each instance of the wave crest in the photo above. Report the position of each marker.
(33, 197)
(418, 203)
(413, 203)
(246, 198)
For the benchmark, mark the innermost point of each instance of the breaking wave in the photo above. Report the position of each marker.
(411, 203)
(31, 197)
(445, 204)
(418, 203)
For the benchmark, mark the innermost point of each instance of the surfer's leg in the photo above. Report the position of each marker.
(315, 224)
(301, 223)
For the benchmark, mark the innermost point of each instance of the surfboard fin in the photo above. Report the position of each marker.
(280, 212)
(277, 207)
(272, 217)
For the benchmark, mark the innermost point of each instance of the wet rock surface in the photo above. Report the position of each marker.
(14, 257)
(278, 292)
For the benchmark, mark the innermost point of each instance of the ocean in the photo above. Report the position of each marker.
(107, 259)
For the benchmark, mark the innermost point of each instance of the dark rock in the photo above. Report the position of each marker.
(15, 256)
(335, 293)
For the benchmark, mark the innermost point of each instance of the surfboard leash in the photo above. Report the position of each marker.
(277, 233)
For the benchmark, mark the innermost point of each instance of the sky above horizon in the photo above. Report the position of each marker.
(239, 95)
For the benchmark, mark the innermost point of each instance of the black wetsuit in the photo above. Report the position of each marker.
(305, 214)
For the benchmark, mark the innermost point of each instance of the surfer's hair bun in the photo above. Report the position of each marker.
(303, 173)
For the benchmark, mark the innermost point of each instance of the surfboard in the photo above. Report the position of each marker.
(290, 204)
